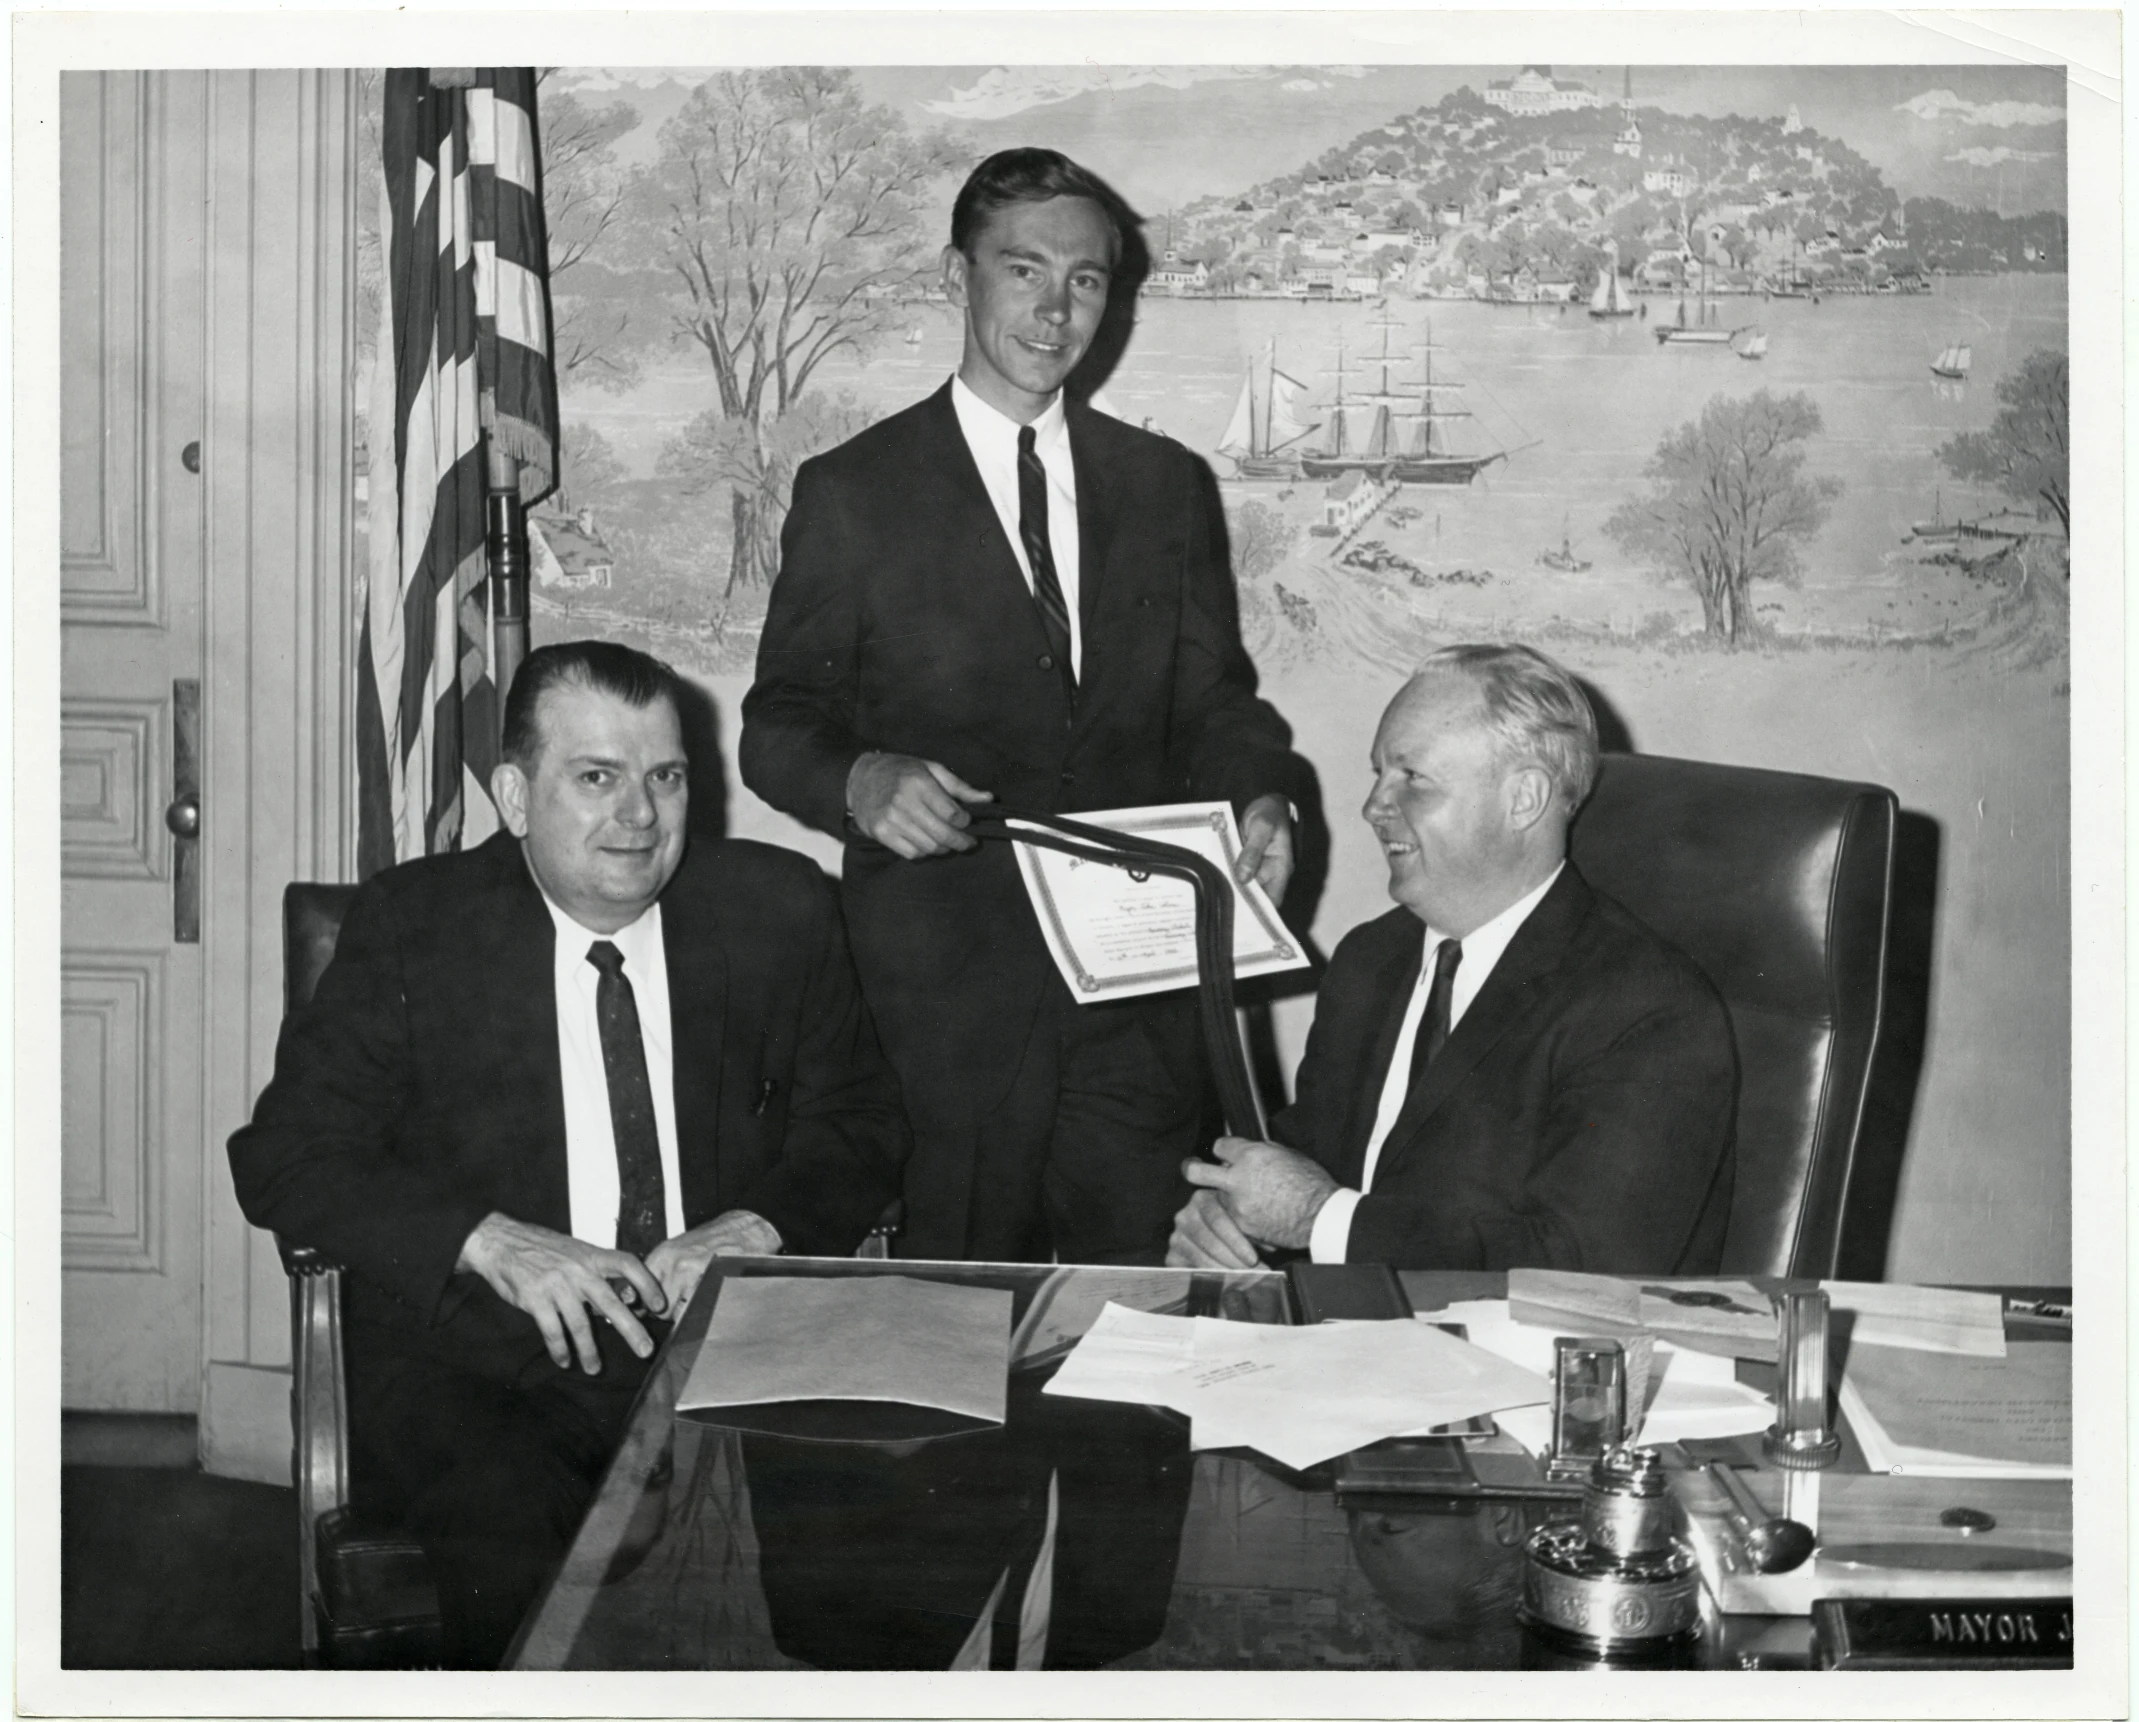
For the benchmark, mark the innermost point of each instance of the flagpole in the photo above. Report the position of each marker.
(506, 540)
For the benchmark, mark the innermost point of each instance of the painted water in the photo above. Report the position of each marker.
(1579, 404)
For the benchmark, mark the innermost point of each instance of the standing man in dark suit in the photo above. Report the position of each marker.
(1509, 1070)
(541, 1086)
(1001, 597)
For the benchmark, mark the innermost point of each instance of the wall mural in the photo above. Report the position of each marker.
(1739, 389)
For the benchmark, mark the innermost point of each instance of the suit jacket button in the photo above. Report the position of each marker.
(1047, 660)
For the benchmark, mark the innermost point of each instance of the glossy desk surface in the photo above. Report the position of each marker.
(709, 1549)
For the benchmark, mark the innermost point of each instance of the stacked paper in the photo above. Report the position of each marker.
(1299, 1394)
(1689, 1395)
(1920, 1318)
(1919, 1415)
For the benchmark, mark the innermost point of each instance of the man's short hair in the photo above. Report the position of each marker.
(1535, 708)
(1031, 176)
(602, 665)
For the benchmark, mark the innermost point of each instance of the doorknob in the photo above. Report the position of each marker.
(183, 817)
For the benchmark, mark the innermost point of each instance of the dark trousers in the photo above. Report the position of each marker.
(491, 1478)
(1082, 1161)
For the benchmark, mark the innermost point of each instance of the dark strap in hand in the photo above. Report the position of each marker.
(1433, 1026)
(642, 1207)
(1039, 552)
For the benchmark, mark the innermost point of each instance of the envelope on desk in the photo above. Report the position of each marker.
(811, 1357)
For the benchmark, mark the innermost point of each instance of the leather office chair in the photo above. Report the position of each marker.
(367, 1596)
(366, 1593)
(1781, 888)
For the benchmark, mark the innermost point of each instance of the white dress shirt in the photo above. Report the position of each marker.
(589, 1135)
(1482, 950)
(993, 439)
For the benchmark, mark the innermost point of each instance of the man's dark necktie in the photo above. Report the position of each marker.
(1433, 1026)
(641, 1209)
(1039, 552)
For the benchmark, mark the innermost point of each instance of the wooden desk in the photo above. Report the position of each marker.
(707, 1549)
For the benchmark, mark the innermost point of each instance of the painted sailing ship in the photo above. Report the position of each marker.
(1703, 331)
(1611, 299)
(1750, 343)
(1360, 429)
(1425, 456)
(1953, 363)
(1260, 437)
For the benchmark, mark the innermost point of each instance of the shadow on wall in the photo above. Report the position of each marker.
(701, 745)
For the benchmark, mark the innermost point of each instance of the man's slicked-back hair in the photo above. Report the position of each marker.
(1536, 710)
(602, 665)
(1032, 176)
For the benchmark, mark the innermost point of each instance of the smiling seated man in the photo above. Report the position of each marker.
(1508, 1070)
(542, 1084)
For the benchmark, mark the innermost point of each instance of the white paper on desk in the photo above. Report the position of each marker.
(1920, 1415)
(1130, 1356)
(1305, 1394)
(1610, 1307)
(775, 1338)
(1920, 1318)
(1691, 1394)
(1115, 936)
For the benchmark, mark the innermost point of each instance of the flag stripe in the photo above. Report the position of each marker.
(464, 340)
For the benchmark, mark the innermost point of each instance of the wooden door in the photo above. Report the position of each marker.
(133, 703)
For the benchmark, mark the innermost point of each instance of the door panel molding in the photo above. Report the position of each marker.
(108, 564)
(110, 805)
(111, 1119)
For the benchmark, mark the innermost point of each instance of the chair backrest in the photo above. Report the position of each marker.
(1780, 887)
(311, 923)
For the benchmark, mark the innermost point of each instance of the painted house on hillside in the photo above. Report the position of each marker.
(568, 552)
(1347, 501)
(1534, 90)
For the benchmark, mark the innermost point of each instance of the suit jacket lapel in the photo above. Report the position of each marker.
(697, 1008)
(996, 566)
(1389, 988)
(1098, 491)
(520, 987)
(1536, 951)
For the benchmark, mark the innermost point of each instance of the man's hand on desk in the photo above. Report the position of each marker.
(1272, 1194)
(557, 1279)
(910, 805)
(680, 1263)
(1266, 845)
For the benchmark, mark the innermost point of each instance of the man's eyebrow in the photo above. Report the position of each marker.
(1026, 254)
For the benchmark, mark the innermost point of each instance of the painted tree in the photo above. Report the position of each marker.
(2026, 451)
(583, 191)
(1729, 504)
(781, 214)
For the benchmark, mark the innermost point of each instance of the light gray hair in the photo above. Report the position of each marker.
(1536, 710)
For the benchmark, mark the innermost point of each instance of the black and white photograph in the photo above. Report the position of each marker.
(1263, 863)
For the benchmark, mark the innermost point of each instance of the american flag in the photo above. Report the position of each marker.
(464, 364)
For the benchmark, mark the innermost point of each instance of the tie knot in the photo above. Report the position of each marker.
(606, 957)
(1446, 959)
(1028, 441)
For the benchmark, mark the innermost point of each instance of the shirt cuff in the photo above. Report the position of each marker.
(1333, 1227)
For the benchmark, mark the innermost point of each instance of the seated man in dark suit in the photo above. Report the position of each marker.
(1509, 1070)
(542, 1085)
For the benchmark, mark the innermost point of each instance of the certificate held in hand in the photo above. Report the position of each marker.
(1118, 932)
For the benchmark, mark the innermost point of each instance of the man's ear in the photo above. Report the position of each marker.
(508, 788)
(1529, 795)
(954, 275)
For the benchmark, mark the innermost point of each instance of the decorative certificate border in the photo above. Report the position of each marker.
(1278, 949)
